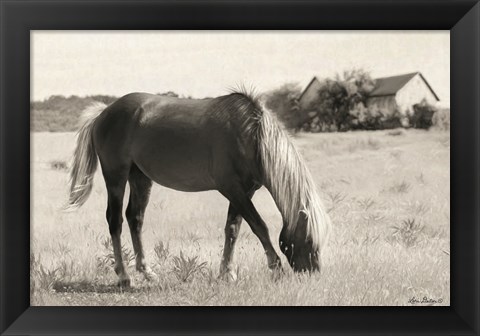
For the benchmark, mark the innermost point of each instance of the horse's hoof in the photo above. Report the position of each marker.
(124, 283)
(150, 275)
(277, 273)
(229, 276)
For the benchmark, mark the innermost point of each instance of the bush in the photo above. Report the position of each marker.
(391, 120)
(422, 115)
(284, 103)
(373, 118)
(441, 119)
(61, 114)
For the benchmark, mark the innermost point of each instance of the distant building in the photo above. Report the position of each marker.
(390, 93)
(310, 93)
(401, 92)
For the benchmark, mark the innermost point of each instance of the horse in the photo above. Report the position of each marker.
(231, 143)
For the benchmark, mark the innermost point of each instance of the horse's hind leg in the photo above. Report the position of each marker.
(232, 229)
(140, 186)
(115, 182)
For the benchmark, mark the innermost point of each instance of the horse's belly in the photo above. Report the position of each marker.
(182, 180)
(184, 169)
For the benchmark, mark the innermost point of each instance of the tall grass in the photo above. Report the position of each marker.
(390, 239)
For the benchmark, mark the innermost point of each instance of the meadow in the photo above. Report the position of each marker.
(387, 192)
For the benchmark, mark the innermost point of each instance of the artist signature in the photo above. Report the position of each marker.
(424, 300)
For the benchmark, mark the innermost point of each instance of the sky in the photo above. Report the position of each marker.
(208, 63)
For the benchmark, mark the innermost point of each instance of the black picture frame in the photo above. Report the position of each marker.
(18, 17)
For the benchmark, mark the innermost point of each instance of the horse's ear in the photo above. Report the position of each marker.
(304, 214)
(302, 222)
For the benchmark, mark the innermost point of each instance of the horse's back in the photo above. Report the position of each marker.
(143, 111)
(178, 143)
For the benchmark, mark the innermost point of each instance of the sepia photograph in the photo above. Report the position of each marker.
(240, 168)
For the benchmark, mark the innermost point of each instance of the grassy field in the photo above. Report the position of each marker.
(388, 193)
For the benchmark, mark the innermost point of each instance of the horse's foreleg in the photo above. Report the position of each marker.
(232, 229)
(115, 220)
(242, 203)
(140, 186)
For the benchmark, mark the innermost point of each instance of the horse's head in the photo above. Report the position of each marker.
(299, 248)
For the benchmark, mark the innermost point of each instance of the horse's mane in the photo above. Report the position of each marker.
(240, 107)
(285, 174)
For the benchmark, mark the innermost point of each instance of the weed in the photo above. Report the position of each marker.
(335, 199)
(162, 251)
(108, 259)
(366, 203)
(66, 269)
(185, 268)
(245, 234)
(446, 142)
(407, 233)
(63, 249)
(195, 239)
(421, 178)
(417, 207)
(210, 277)
(42, 278)
(370, 240)
(395, 132)
(371, 144)
(34, 264)
(373, 217)
(158, 205)
(397, 154)
(58, 165)
(400, 187)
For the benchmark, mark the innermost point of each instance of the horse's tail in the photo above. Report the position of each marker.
(289, 181)
(84, 158)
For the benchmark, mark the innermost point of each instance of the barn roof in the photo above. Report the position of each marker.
(388, 86)
(308, 86)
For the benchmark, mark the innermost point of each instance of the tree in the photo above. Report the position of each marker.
(169, 94)
(283, 101)
(337, 97)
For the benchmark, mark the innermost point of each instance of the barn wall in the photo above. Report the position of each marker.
(412, 93)
(310, 94)
(383, 103)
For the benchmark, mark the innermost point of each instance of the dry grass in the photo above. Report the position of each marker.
(388, 197)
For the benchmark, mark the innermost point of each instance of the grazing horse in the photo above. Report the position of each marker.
(229, 143)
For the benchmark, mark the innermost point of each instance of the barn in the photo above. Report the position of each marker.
(392, 93)
(401, 93)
